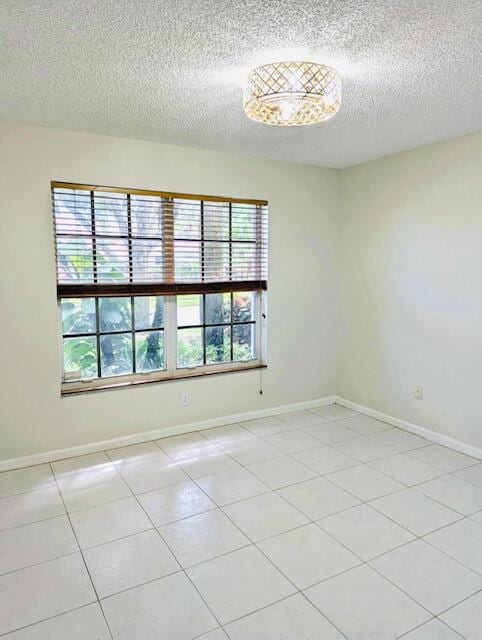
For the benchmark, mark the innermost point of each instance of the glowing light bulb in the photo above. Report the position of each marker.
(288, 109)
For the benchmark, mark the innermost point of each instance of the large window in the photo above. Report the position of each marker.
(154, 285)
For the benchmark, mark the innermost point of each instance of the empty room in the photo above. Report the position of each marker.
(241, 320)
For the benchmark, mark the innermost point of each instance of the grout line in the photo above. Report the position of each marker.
(58, 615)
(82, 555)
(180, 565)
(297, 590)
(275, 491)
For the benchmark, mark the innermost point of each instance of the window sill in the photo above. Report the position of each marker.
(105, 384)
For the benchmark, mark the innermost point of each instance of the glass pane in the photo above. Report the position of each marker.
(74, 259)
(146, 216)
(116, 354)
(112, 260)
(216, 261)
(149, 312)
(187, 261)
(187, 219)
(218, 344)
(110, 213)
(78, 315)
(244, 261)
(189, 310)
(147, 261)
(80, 355)
(216, 220)
(150, 351)
(189, 347)
(244, 306)
(114, 314)
(72, 211)
(218, 308)
(243, 222)
(244, 342)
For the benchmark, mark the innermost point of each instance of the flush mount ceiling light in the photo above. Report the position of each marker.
(292, 93)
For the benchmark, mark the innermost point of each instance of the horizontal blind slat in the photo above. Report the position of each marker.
(109, 237)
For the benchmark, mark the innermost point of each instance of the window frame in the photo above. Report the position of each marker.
(169, 287)
(171, 371)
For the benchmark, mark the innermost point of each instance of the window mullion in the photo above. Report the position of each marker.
(170, 333)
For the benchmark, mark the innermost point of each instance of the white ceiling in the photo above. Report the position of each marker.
(172, 71)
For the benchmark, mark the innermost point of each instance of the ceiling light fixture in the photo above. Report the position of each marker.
(292, 93)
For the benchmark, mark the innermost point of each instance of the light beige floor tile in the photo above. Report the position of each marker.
(461, 540)
(175, 503)
(318, 498)
(365, 531)
(265, 516)
(308, 555)
(415, 512)
(471, 474)
(213, 462)
(363, 605)
(466, 617)
(406, 469)
(28, 479)
(266, 426)
(394, 441)
(292, 441)
(217, 634)
(432, 630)
(42, 591)
(142, 477)
(89, 462)
(325, 459)
(202, 537)
(477, 517)
(330, 432)
(300, 419)
(147, 452)
(231, 486)
(364, 448)
(464, 497)
(334, 412)
(221, 436)
(431, 577)
(92, 486)
(364, 425)
(281, 472)
(107, 522)
(443, 458)
(364, 482)
(129, 562)
(253, 450)
(166, 608)
(86, 623)
(293, 618)
(35, 543)
(25, 508)
(187, 446)
(239, 583)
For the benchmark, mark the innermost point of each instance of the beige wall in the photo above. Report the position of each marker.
(386, 257)
(410, 288)
(303, 204)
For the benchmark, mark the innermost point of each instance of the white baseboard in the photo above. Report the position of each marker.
(429, 434)
(163, 432)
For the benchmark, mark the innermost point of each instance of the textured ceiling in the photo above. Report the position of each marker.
(172, 71)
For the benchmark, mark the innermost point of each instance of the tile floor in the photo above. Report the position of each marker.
(311, 525)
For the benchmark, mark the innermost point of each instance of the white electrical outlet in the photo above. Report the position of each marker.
(184, 399)
(418, 393)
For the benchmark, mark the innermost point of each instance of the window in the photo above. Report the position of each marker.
(153, 285)
(216, 327)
